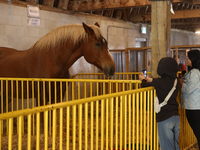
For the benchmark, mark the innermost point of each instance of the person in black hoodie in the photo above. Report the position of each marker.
(168, 118)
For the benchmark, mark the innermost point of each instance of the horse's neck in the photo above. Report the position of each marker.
(73, 57)
(63, 57)
(67, 57)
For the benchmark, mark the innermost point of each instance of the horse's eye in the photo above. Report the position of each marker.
(97, 44)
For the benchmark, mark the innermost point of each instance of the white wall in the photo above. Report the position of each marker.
(184, 38)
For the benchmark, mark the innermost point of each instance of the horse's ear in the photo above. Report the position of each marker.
(89, 31)
(97, 24)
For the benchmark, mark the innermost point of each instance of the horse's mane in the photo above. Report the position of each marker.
(75, 32)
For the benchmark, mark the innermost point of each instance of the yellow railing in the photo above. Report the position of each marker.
(19, 94)
(117, 120)
(23, 90)
(117, 76)
(100, 112)
(31, 91)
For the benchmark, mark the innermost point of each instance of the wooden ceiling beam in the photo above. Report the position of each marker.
(181, 14)
(185, 26)
(108, 4)
(192, 2)
(126, 14)
(108, 13)
(118, 14)
(48, 3)
(196, 2)
(32, 1)
(63, 4)
(185, 23)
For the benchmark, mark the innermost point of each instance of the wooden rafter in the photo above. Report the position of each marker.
(108, 4)
(193, 2)
(194, 13)
(107, 13)
(32, 1)
(48, 3)
(63, 4)
(118, 14)
(196, 1)
(127, 13)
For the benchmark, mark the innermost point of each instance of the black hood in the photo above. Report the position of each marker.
(167, 67)
(193, 54)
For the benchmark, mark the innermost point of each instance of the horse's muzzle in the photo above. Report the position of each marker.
(109, 73)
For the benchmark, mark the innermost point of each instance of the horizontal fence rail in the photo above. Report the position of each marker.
(117, 76)
(118, 120)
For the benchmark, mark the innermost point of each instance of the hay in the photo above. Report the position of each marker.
(96, 144)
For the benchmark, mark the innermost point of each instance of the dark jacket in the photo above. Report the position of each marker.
(167, 70)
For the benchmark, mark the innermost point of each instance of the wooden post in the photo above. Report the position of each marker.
(176, 53)
(160, 32)
(122, 61)
(145, 59)
(127, 60)
(137, 62)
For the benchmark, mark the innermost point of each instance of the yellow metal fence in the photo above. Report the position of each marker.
(18, 93)
(118, 120)
(96, 114)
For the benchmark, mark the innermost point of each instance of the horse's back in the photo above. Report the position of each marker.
(5, 50)
(10, 61)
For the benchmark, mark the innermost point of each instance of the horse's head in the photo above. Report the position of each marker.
(95, 50)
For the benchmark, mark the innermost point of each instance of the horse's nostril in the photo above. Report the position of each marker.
(112, 71)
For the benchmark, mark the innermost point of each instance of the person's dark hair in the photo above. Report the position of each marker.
(194, 56)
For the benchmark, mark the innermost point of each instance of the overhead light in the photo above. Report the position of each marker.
(197, 32)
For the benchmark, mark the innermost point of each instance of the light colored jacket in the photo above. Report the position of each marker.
(191, 90)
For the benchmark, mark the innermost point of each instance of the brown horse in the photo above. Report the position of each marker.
(53, 54)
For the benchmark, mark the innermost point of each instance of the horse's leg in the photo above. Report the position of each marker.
(61, 92)
(55, 96)
(50, 98)
(5, 107)
(39, 102)
(3, 97)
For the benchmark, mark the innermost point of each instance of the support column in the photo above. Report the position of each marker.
(127, 59)
(160, 32)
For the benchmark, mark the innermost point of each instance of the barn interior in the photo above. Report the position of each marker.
(125, 24)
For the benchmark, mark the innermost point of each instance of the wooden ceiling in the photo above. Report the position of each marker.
(186, 17)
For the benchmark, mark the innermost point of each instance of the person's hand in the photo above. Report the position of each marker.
(149, 79)
(141, 76)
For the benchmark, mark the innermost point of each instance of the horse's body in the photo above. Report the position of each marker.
(52, 55)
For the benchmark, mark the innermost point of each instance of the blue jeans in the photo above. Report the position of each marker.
(168, 133)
